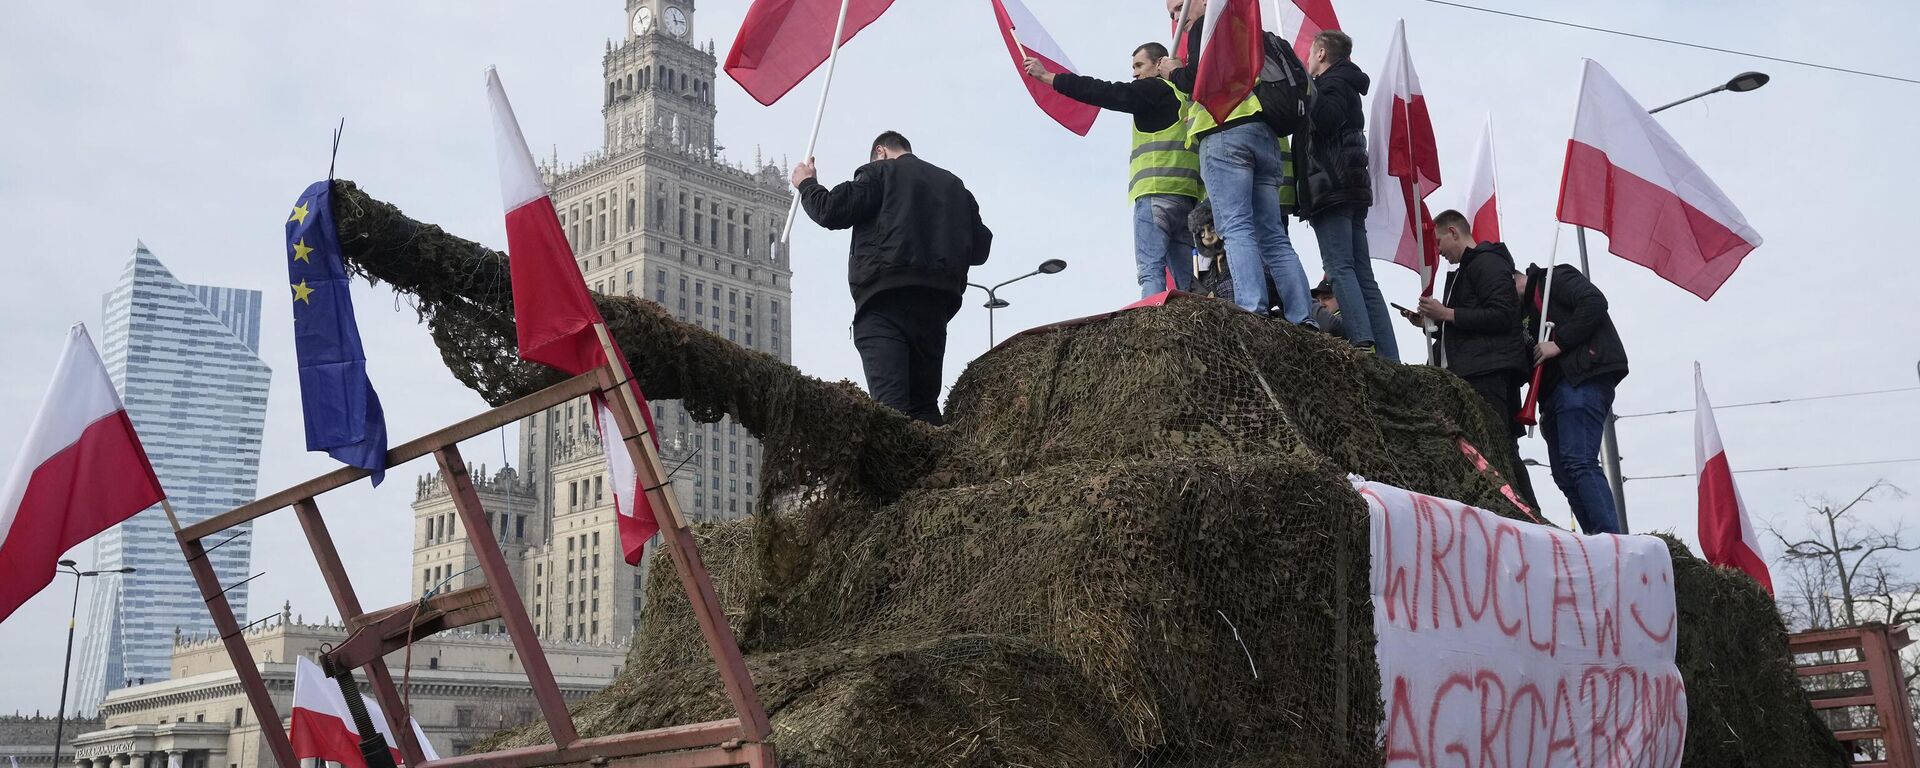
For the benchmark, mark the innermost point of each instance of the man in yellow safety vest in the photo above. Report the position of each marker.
(1164, 177)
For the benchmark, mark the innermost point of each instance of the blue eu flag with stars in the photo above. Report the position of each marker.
(342, 412)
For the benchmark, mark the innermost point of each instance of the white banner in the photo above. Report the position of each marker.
(1518, 645)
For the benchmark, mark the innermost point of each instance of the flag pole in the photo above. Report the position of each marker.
(1429, 329)
(819, 114)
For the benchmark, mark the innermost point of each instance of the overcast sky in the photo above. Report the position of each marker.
(195, 129)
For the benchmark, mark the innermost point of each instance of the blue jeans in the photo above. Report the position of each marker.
(1342, 232)
(1241, 167)
(1572, 422)
(1162, 242)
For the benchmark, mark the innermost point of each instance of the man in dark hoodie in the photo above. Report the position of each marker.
(1163, 173)
(916, 230)
(1337, 191)
(1580, 366)
(1480, 328)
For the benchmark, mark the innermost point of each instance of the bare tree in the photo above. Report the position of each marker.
(1844, 554)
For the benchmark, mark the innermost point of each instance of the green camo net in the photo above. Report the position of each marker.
(1134, 544)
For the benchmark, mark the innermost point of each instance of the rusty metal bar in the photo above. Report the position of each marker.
(624, 745)
(401, 454)
(480, 535)
(714, 626)
(348, 603)
(236, 643)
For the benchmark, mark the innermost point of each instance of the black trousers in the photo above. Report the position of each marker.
(1502, 394)
(902, 338)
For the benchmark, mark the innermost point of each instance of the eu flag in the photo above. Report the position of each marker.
(342, 412)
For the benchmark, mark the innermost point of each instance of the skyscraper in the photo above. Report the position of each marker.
(186, 361)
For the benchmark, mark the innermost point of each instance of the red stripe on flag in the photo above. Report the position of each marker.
(552, 313)
(321, 736)
(1648, 224)
(783, 41)
(1486, 221)
(1413, 144)
(1319, 18)
(100, 480)
(1721, 539)
(1230, 63)
(1070, 114)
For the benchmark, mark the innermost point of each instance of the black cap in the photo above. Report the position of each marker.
(1325, 288)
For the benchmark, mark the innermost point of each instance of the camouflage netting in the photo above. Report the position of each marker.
(1134, 544)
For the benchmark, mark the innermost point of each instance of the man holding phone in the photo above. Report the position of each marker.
(1480, 328)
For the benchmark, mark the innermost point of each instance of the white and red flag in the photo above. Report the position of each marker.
(1483, 190)
(555, 317)
(1726, 532)
(321, 727)
(783, 41)
(1233, 49)
(81, 470)
(1021, 30)
(1307, 19)
(1404, 164)
(1627, 177)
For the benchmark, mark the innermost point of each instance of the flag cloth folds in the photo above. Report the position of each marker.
(1232, 51)
(1404, 163)
(342, 412)
(783, 41)
(1019, 28)
(322, 728)
(1726, 532)
(81, 470)
(1307, 19)
(1483, 190)
(1627, 177)
(554, 316)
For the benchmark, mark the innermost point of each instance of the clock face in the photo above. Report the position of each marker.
(676, 21)
(643, 21)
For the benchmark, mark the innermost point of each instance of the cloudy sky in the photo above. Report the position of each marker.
(193, 130)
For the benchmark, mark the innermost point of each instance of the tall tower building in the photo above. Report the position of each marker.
(656, 213)
(186, 361)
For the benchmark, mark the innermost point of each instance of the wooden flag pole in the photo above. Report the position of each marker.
(819, 114)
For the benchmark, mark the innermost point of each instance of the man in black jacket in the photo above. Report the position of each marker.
(1338, 191)
(1163, 172)
(1580, 367)
(916, 230)
(1480, 328)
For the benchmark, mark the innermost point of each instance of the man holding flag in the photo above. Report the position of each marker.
(1164, 174)
(1246, 167)
(1580, 367)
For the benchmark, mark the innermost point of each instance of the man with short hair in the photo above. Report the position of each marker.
(916, 231)
(1248, 172)
(1480, 329)
(1581, 365)
(1338, 190)
(1164, 177)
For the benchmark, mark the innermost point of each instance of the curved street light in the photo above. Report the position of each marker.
(1741, 83)
(72, 568)
(994, 302)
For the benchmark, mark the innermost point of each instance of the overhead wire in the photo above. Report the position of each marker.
(1670, 41)
(1786, 469)
(1774, 402)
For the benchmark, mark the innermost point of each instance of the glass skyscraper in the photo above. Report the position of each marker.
(186, 361)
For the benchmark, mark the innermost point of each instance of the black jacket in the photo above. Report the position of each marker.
(1336, 150)
(1154, 106)
(914, 226)
(1484, 337)
(1589, 346)
(1184, 78)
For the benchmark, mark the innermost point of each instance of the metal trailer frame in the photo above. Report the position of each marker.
(1877, 647)
(737, 741)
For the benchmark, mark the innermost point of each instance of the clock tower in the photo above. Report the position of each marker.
(659, 83)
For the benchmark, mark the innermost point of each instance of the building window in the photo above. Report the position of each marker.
(520, 527)
(597, 490)
(596, 539)
(239, 716)
(573, 500)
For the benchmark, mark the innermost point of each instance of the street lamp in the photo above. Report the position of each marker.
(1741, 83)
(994, 302)
(60, 724)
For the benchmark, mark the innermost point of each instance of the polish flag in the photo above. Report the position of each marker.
(1483, 193)
(1307, 18)
(554, 316)
(81, 470)
(1627, 177)
(1233, 49)
(1404, 163)
(1019, 28)
(322, 727)
(1726, 532)
(783, 41)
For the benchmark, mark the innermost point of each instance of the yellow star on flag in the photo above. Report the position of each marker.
(299, 213)
(300, 251)
(301, 292)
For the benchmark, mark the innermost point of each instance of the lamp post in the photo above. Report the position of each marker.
(994, 302)
(1609, 438)
(60, 723)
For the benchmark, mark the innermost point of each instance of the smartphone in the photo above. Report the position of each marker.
(1403, 310)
